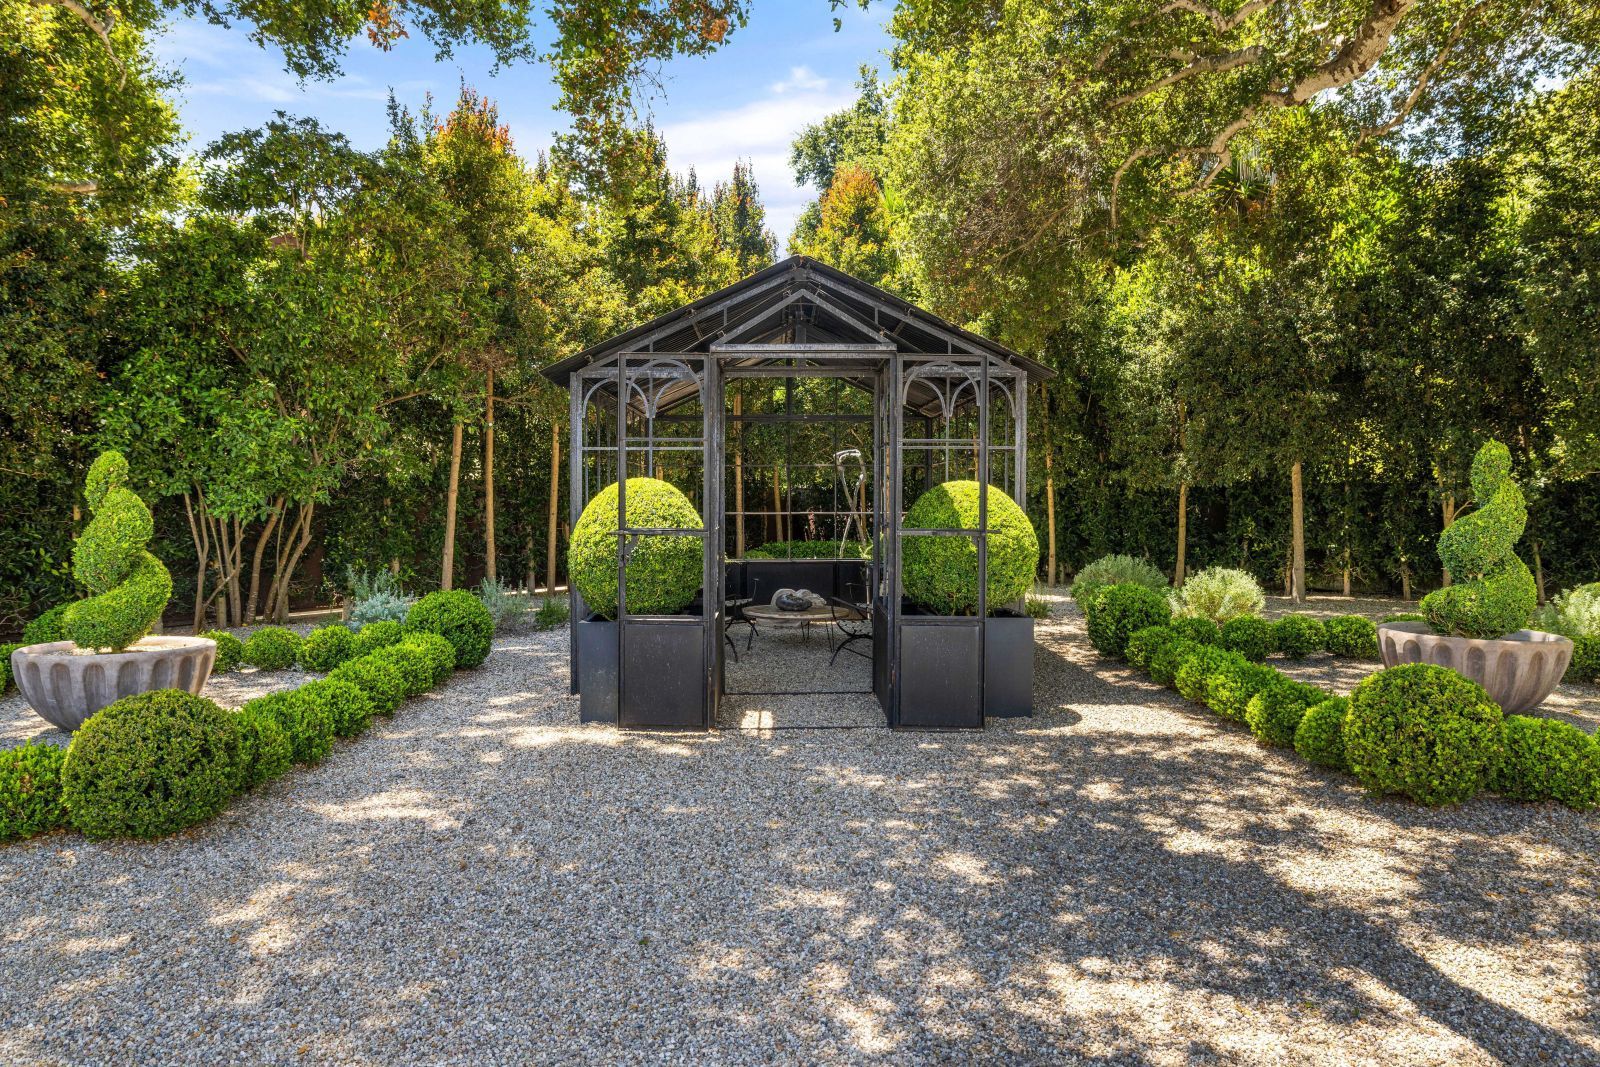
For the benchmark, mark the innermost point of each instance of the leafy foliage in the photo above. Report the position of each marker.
(1494, 593)
(30, 790)
(273, 648)
(326, 647)
(230, 651)
(941, 572)
(128, 587)
(1116, 570)
(1220, 594)
(1424, 731)
(376, 635)
(343, 703)
(1275, 712)
(1319, 738)
(381, 682)
(1249, 635)
(1351, 637)
(1116, 613)
(458, 617)
(265, 748)
(1546, 759)
(664, 571)
(306, 723)
(1297, 636)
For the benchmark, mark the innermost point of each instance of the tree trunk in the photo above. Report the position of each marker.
(303, 529)
(555, 496)
(1297, 519)
(1538, 570)
(1050, 514)
(1448, 506)
(1178, 571)
(202, 551)
(488, 479)
(447, 571)
(531, 583)
(779, 521)
(253, 599)
(738, 478)
(1405, 580)
(1347, 570)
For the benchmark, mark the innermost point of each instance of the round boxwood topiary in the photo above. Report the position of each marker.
(1248, 635)
(1168, 658)
(265, 749)
(346, 704)
(1116, 570)
(1200, 631)
(308, 726)
(941, 573)
(664, 572)
(458, 617)
(46, 627)
(128, 587)
(414, 668)
(1275, 713)
(1297, 636)
(272, 648)
(326, 647)
(1145, 643)
(1425, 731)
(1585, 665)
(1320, 736)
(1351, 637)
(382, 683)
(230, 651)
(1218, 594)
(376, 635)
(438, 653)
(1117, 612)
(1547, 759)
(150, 764)
(1234, 683)
(1493, 593)
(1195, 672)
(30, 790)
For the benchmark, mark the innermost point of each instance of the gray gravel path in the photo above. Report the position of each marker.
(482, 880)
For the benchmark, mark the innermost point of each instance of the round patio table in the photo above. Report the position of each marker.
(817, 613)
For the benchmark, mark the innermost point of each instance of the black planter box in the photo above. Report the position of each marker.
(760, 578)
(1008, 666)
(660, 683)
(942, 683)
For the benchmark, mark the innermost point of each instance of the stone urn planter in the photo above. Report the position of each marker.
(66, 685)
(1518, 671)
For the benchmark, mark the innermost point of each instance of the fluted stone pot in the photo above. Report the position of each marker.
(1518, 671)
(66, 685)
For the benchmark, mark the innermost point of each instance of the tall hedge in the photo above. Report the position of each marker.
(941, 572)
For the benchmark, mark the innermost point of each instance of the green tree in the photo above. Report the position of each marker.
(853, 230)
(741, 221)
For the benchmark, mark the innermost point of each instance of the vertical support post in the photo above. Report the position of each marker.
(1019, 417)
(892, 547)
(576, 391)
(623, 539)
(983, 536)
(712, 495)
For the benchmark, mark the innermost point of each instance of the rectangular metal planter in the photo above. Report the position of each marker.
(661, 681)
(1008, 666)
(941, 683)
(830, 577)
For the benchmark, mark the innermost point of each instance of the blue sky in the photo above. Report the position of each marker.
(786, 68)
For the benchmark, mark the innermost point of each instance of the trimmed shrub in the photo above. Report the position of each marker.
(1425, 731)
(1274, 714)
(413, 666)
(150, 764)
(30, 790)
(941, 573)
(1547, 759)
(1145, 643)
(1585, 665)
(1117, 612)
(1165, 660)
(265, 749)
(1351, 637)
(1297, 636)
(128, 587)
(1117, 570)
(230, 651)
(1219, 594)
(326, 647)
(5, 666)
(664, 571)
(1234, 682)
(272, 648)
(1195, 671)
(376, 635)
(1320, 736)
(382, 683)
(819, 549)
(1248, 635)
(308, 726)
(1404, 616)
(1574, 613)
(438, 652)
(1494, 593)
(1200, 631)
(347, 706)
(458, 617)
(46, 627)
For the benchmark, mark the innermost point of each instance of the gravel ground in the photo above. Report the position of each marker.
(1121, 878)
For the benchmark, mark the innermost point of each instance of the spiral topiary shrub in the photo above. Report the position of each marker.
(128, 587)
(1248, 635)
(30, 790)
(1116, 570)
(384, 685)
(376, 635)
(1297, 636)
(1200, 631)
(1117, 612)
(272, 648)
(1494, 594)
(347, 705)
(941, 573)
(1274, 714)
(151, 764)
(458, 617)
(1425, 731)
(1547, 759)
(1320, 736)
(308, 726)
(230, 651)
(326, 647)
(436, 651)
(46, 627)
(1234, 682)
(265, 749)
(1145, 642)
(1350, 637)
(1219, 594)
(664, 572)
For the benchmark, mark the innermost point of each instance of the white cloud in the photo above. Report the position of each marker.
(803, 79)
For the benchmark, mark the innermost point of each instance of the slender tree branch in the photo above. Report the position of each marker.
(1215, 64)
(100, 29)
(1222, 23)
(1417, 90)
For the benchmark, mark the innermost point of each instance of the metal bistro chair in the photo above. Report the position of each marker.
(854, 622)
(737, 617)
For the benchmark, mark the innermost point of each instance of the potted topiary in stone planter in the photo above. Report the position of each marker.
(1476, 626)
(944, 679)
(107, 654)
(660, 679)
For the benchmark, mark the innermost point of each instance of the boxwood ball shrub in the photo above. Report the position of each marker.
(265, 751)
(1248, 635)
(1585, 665)
(272, 648)
(1351, 637)
(941, 573)
(664, 572)
(1144, 643)
(1234, 682)
(308, 725)
(380, 681)
(1493, 593)
(326, 647)
(347, 706)
(458, 617)
(1547, 759)
(1117, 570)
(1297, 636)
(1116, 613)
(46, 627)
(376, 635)
(1200, 631)
(415, 669)
(128, 587)
(1219, 594)
(1424, 731)
(1194, 674)
(150, 764)
(1320, 736)
(1274, 714)
(1167, 658)
(230, 651)
(30, 790)
(438, 652)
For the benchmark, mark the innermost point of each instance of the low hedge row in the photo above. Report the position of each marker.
(1418, 730)
(154, 763)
